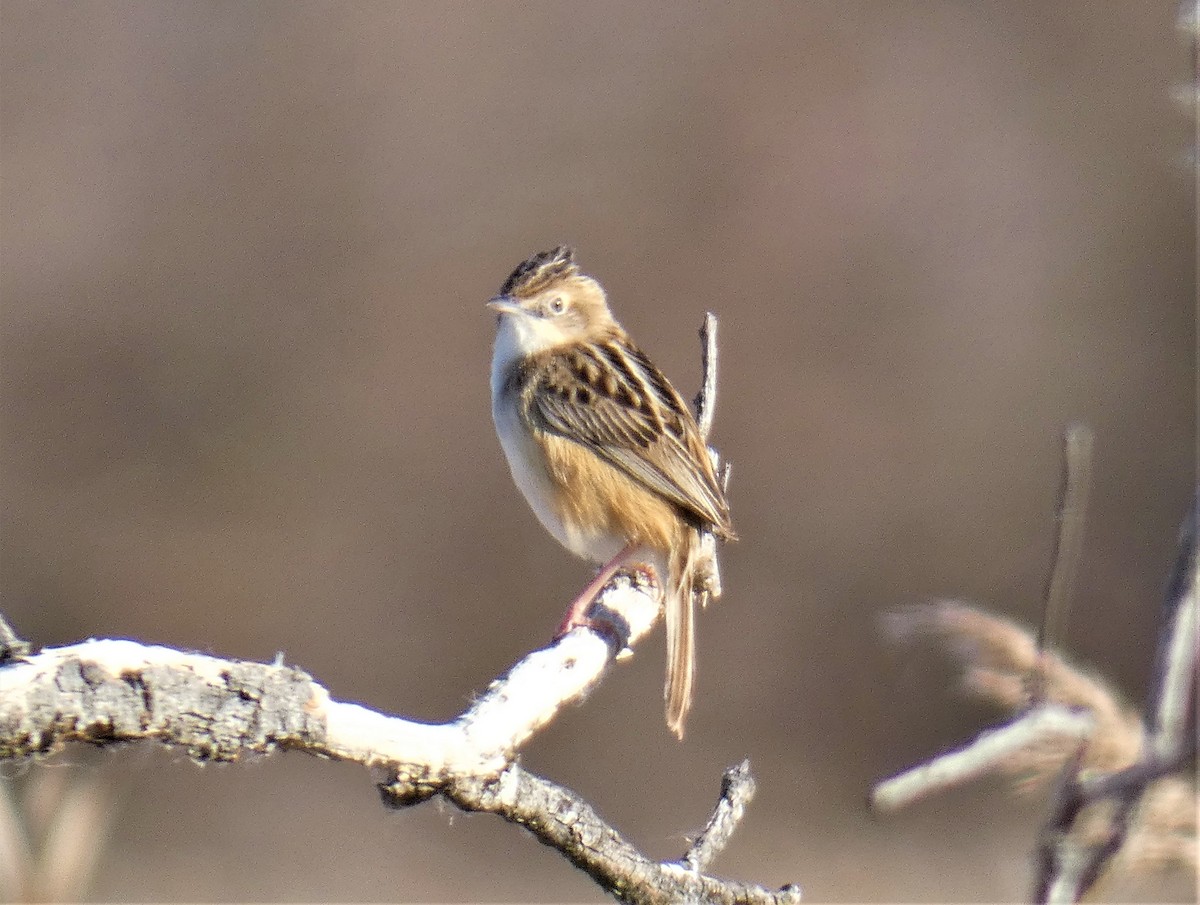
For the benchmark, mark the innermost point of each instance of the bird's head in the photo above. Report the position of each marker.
(546, 303)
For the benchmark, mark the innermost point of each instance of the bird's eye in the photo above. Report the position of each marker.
(557, 305)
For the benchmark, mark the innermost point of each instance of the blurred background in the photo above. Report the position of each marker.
(245, 397)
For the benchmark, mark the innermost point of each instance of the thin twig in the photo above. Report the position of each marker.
(1068, 541)
(706, 399)
(1069, 868)
(737, 791)
(982, 755)
(1100, 801)
(708, 572)
(562, 820)
(1136, 777)
(1174, 678)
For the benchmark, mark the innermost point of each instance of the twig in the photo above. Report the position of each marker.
(1101, 799)
(1069, 861)
(1174, 685)
(737, 791)
(706, 399)
(1068, 540)
(564, 821)
(1136, 777)
(985, 754)
(1070, 868)
(708, 572)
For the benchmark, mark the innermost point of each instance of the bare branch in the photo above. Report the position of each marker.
(1113, 799)
(1095, 816)
(1068, 542)
(1174, 687)
(737, 791)
(991, 750)
(1123, 794)
(706, 399)
(565, 822)
(708, 572)
(997, 657)
(108, 691)
(1179, 677)
(217, 709)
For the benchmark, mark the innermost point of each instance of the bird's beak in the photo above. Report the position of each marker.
(504, 304)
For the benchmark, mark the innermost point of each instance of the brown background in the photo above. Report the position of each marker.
(245, 405)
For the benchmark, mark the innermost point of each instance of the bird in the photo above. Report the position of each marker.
(604, 450)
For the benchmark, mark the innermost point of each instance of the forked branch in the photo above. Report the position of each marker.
(107, 691)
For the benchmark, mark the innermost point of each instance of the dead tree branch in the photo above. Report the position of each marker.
(1122, 791)
(104, 692)
(709, 569)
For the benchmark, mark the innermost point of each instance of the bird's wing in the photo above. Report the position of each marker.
(611, 398)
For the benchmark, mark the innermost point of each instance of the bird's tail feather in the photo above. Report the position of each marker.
(681, 631)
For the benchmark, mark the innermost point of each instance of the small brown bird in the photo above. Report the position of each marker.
(603, 448)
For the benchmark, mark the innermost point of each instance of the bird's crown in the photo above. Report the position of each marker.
(539, 271)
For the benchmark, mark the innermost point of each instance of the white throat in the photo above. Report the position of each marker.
(519, 335)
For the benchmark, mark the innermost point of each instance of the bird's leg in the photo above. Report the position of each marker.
(576, 614)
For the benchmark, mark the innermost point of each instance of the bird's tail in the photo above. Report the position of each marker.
(681, 630)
